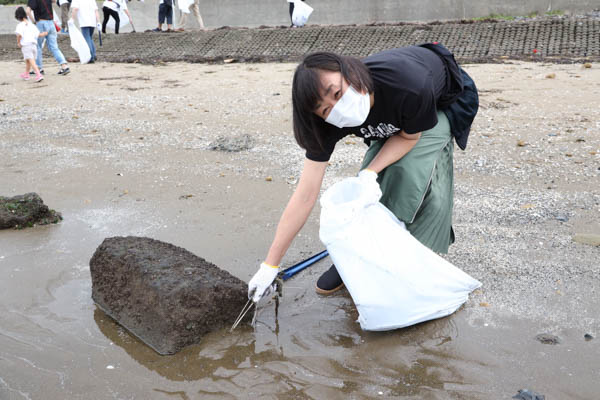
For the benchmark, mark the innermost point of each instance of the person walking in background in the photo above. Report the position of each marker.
(27, 35)
(111, 8)
(184, 7)
(65, 6)
(44, 21)
(86, 12)
(165, 11)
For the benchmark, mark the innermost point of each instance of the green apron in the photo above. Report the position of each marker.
(419, 188)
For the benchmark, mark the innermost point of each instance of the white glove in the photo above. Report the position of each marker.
(98, 26)
(367, 175)
(260, 284)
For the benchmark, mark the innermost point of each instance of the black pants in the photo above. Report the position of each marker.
(110, 13)
(165, 11)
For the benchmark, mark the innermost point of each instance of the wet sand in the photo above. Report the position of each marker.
(122, 149)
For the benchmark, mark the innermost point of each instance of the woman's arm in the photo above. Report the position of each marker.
(394, 149)
(297, 210)
(18, 40)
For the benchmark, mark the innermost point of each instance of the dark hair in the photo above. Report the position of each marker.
(309, 129)
(20, 14)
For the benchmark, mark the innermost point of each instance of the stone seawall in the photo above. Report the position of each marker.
(252, 14)
(556, 39)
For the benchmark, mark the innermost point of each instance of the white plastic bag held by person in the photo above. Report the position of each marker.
(394, 280)
(301, 12)
(123, 17)
(78, 43)
(184, 5)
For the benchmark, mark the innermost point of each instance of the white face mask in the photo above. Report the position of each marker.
(351, 109)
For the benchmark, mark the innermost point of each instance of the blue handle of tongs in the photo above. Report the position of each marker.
(294, 269)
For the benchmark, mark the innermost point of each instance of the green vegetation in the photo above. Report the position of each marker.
(504, 17)
(495, 16)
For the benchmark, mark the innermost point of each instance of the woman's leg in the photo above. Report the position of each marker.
(196, 10)
(40, 43)
(182, 20)
(53, 45)
(31, 66)
(161, 15)
(169, 16)
(64, 16)
(87, 32)
(106, 13)
(91, 44)
(115, 15)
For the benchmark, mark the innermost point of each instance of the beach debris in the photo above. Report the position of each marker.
(163, 294)
(526, 394)
(546, 338)
(233, 143)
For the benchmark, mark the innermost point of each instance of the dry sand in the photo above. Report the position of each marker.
(124, 149)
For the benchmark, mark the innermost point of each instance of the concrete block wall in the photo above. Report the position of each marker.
(254, 13)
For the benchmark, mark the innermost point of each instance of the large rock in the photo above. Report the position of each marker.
(25, 210)
(163, 294)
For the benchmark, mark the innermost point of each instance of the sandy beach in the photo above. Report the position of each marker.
(131, 149)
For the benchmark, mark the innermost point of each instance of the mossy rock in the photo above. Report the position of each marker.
(25, 211)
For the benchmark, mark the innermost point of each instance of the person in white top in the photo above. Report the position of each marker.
(27, 35)
(111, 8)
(184, 7)
(65, 6)
(86, 12)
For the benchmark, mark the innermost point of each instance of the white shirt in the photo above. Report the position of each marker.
(28, 31)
(115, 5)
(86, 14)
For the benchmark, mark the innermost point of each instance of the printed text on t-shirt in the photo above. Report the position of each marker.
(383, 130)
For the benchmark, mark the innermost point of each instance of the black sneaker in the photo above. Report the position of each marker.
(329, 282)
(64, 71)
(32, 72)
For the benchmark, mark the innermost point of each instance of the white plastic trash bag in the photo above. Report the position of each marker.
(123, 17)
(394, 280)
(123, 21)
(184, 5)
(301, 12)
(79, 44)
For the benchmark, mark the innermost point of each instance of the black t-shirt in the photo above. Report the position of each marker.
(41, 10)
(408, 83)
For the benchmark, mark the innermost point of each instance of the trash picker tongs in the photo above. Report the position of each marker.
(282, 277)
